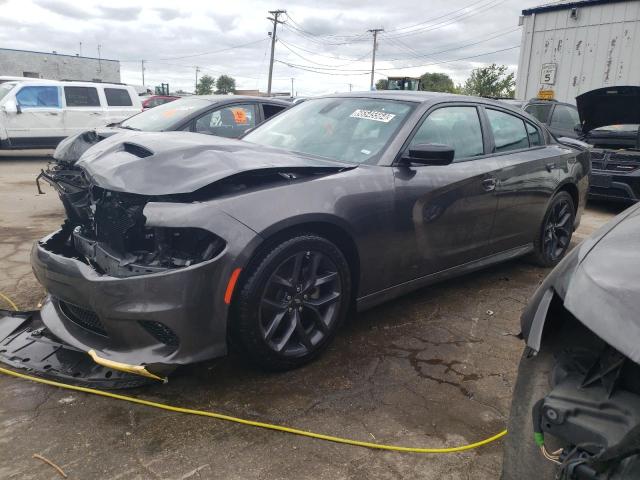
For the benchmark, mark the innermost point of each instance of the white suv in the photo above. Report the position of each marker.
(40, 113)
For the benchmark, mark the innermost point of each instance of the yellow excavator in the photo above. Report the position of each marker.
(403, 83)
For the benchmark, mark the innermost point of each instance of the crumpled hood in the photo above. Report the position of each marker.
(604, 290)
(599, 283)
(609, 106)
(169, 163)
(71, 148)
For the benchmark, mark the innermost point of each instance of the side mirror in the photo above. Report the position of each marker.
(578, 129)
(11, 107)
(430, 154)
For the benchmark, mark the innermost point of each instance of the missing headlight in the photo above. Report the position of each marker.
(149, 250)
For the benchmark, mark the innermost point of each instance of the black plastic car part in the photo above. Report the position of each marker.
(26, 344)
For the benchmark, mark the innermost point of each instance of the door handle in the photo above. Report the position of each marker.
(55, 114)
(489, 184)
(550, 166)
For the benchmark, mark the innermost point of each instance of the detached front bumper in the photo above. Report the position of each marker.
(173, 317)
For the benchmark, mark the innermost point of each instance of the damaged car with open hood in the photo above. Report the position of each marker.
(610, 121)
(177, 245)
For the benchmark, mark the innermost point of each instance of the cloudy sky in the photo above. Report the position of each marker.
(324, 46)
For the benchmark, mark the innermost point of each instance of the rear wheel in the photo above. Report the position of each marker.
(555, 233)
(294, 298)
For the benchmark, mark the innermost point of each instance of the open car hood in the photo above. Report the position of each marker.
(170, 163)
(609, 106)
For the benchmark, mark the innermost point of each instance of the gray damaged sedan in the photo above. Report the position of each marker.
(176, 243)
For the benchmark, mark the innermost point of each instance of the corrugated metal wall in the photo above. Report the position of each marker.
(600, 48)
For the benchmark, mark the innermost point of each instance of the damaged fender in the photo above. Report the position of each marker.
(597, 282)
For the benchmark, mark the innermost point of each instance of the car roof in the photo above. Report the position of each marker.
(42, 81)
(422, 97)
(235, 98)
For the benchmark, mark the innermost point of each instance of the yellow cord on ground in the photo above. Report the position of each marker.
(252, 423)
(9, 301)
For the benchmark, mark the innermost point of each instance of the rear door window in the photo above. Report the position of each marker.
(564, 117)
(457, 127)
(118, 97)
(38, 97)
(508, 131)
(540, 111)
(270, 110)
(230, 122)
(81, 97)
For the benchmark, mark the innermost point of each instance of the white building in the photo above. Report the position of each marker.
(573, 47)
(54, 66)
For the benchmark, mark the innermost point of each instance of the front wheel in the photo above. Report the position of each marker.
(554, 236)
(292, 302)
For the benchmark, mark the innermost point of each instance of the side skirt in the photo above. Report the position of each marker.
(373, 299)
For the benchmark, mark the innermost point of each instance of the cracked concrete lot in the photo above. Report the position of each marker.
(432, 369)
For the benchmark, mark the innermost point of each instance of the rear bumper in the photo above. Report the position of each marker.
(169, 318)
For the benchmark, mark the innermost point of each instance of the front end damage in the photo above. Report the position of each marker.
(585, 313)
(138, 272)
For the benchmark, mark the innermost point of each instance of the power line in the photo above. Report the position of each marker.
(458, 47)
(286, 45)
(328, 71)
(445, 23)
(198, 54)
(435, 18)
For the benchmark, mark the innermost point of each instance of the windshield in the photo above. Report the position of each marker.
(164, 116)
(5, 88)
(351, 130)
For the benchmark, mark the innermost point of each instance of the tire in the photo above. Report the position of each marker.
(554, 235)
(522, 459)
(294, 298)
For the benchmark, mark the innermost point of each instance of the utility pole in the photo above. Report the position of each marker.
(99, 59)
(375, 32)
(195, 92)
(292, 86)
(142, 62)
(274, 19)
(350, 86)
(80, 48)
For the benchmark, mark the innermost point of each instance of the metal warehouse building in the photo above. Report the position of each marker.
(54, 66)
(573, 47)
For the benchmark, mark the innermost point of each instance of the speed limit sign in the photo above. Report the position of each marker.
(548, 74)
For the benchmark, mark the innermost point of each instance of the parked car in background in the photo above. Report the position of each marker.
(175, 242)
(561, 119)
(40, 113)
(157, 100)
(575, 412)
(610, 119)
(221, 115)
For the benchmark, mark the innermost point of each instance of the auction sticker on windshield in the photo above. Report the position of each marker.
(373, 115)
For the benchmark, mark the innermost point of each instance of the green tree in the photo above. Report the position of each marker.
(381, 84)
(205, 85)
(491, 81)
(225, 84)
(437, 82)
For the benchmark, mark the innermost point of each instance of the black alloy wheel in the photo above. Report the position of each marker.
(555, 232)
(300, 303)
(291, 302)
(558, 229)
